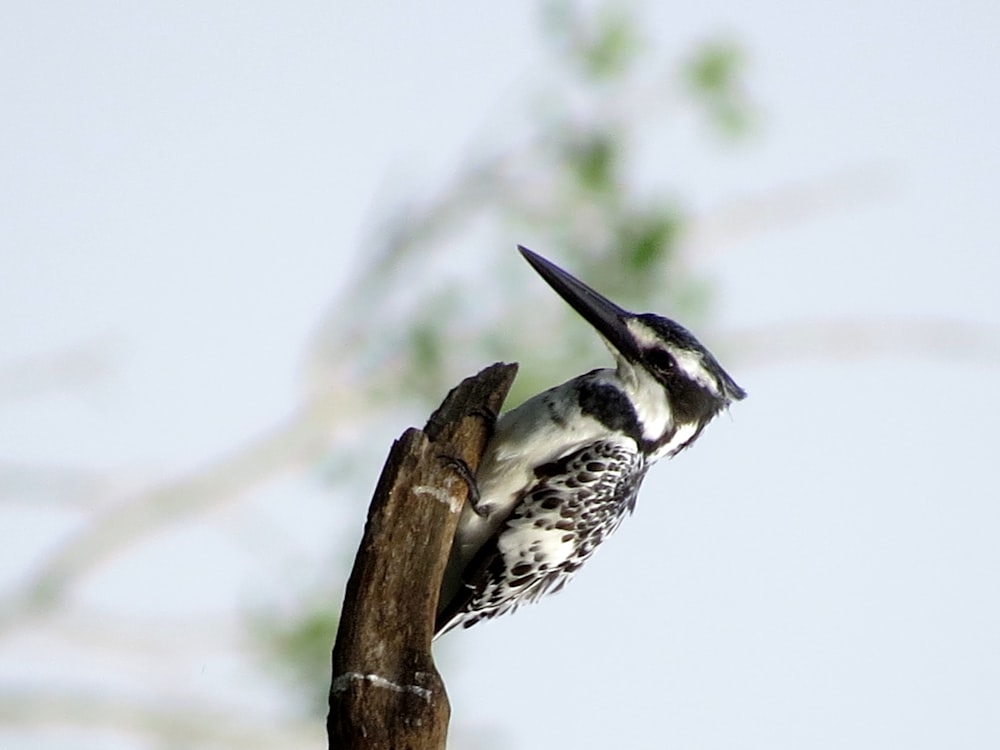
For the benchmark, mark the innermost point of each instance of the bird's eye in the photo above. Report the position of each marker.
(661, 360)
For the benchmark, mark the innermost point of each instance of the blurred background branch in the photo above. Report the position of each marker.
(420, 311)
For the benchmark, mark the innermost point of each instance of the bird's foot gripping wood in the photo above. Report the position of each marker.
(489, 417)
(460, 467)
(487, 414)
(385, 691)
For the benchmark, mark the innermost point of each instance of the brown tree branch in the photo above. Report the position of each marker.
(385, 692)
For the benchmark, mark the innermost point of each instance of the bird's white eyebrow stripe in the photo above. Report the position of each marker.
(690, 362)
(694, 367)
(642, 333)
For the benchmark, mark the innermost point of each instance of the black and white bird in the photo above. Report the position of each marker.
(561, 471)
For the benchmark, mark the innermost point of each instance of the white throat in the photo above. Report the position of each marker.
(648, 397)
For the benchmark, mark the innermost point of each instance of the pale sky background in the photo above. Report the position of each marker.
(184, 188)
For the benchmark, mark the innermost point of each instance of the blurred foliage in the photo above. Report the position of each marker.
(298, 648)
(420, 315)
(714, 76)
(601, 43)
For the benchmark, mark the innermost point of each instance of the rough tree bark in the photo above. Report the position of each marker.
(385, 691)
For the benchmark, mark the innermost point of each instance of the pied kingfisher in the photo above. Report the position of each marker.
(561, 470)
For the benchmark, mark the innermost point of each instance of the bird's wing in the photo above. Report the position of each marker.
(575, 502)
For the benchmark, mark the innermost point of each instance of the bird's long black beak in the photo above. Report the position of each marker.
(607, 317)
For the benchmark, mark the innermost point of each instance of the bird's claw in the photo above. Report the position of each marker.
(462, 469)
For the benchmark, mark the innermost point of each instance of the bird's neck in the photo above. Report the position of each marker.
(662, 431)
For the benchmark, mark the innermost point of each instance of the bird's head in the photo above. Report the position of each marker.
(674, 382)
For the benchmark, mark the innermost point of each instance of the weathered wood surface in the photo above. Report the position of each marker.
(386, 693)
